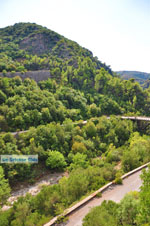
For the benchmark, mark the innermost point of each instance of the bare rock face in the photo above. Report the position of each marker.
(38, 44)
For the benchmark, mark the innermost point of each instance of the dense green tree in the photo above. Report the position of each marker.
(90, 129)
(3, 97)
(128, 210)
(5, 217)
(3, 124)
(103, 215)
(4, 188)
(78, 147)
(143, 217)
(79, 160)
(55, 160)
(130, 161)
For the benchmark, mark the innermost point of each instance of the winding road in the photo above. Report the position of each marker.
(133, 118)
(114, 192)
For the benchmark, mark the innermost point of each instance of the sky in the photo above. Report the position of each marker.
(116, 31)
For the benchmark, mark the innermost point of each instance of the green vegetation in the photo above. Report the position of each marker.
(77, 144)
(55, 160)
(4, 188)
(54, 112)
(26, 103)
(132, 210)
(91, 151)
(28, 46)
(102, 216)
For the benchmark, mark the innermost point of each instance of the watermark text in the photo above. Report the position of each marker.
(18, 159)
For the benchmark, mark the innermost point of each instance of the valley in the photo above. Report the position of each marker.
(87, 126)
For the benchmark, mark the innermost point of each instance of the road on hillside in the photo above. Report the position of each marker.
(136, 118)
(115, 193)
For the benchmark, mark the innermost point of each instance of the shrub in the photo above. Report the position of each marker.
(55, 160)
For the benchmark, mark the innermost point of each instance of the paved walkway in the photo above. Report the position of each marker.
(115, 193)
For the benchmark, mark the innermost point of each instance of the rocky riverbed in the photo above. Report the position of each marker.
(48, 179)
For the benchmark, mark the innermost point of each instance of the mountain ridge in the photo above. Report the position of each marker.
(139, 76)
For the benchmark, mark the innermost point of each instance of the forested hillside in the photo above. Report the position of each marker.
(28, 46)
(26, 103)
(53, 112)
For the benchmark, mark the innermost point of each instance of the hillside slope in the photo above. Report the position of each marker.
(80, 86)
(28, 46)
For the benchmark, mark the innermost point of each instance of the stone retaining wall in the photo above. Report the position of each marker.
(35, 75)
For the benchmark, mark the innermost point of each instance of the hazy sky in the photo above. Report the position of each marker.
(116, 31)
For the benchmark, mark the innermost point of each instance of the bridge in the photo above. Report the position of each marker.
(133, 118)
(136, 118)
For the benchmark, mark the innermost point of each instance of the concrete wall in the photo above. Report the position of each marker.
(35, 75)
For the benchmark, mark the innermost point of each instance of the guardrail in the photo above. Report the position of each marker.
(90, 197)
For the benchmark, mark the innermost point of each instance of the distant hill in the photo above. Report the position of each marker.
(140, 77)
